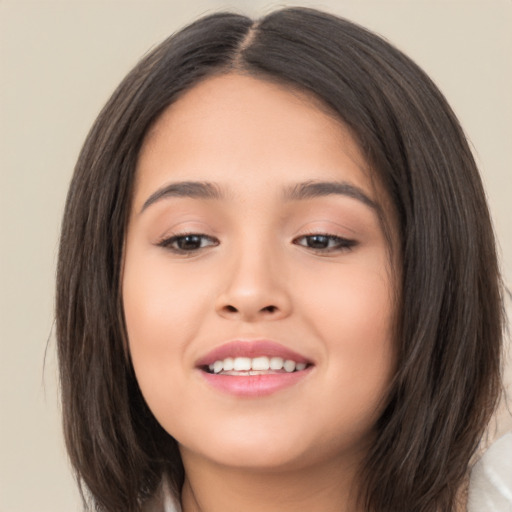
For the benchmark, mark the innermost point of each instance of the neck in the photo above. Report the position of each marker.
(210, 487)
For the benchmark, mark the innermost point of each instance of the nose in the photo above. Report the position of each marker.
(254, 288)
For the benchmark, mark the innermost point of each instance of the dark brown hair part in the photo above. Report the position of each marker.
(450, 324)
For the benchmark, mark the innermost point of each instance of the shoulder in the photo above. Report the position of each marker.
(164, 501)
(490, 487)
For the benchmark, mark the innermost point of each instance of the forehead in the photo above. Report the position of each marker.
(261, 102)
(233, 126)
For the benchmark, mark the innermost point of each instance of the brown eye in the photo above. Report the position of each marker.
(325, 243)
(187, 243)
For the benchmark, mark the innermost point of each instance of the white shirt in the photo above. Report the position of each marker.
(490, 488)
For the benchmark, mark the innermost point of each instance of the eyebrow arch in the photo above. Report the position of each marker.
(312, 189)
(194, 189)
(300, 191)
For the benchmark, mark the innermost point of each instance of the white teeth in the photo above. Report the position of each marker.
(228, 364)
(260, 363)
(289, 365)
(254, 365)
(217, 366)
(276, 363)
(242, 363)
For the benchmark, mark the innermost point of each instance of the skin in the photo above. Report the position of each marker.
(258, 275)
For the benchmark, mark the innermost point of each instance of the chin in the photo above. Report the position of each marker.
(251, 457)
(244, 444)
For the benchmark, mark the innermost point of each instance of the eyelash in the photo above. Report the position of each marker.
(167, 243)
(340, 244)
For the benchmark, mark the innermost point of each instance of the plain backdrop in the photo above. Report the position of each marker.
(60, 61)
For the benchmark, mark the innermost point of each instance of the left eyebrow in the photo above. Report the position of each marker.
(195, 189)
(312, 189)
(297, 192)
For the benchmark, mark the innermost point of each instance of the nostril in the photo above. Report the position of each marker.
(232, 311)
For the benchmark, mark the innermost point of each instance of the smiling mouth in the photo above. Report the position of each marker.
(253, 369)
(247, 366)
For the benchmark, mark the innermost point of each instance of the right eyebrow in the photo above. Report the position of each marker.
(195, 189)
(311, 189)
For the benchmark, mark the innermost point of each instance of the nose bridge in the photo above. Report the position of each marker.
(254, 284)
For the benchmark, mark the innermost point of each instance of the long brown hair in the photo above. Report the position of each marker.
(451, 318)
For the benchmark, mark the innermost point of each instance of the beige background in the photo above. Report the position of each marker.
(59, 62)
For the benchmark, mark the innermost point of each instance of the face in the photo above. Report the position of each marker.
(257, 284)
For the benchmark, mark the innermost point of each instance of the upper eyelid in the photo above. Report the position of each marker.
(166, 241)
(350, 242)
(191, 233)
(211, 237)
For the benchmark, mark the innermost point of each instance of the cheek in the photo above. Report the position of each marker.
(355, 298)
(354, 314)
(161, 303)
(161, 316)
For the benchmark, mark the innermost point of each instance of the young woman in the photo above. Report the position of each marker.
(277, 283)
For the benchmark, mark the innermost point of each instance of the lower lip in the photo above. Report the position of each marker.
(254, 386)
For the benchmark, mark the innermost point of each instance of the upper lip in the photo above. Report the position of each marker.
(251, 348)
